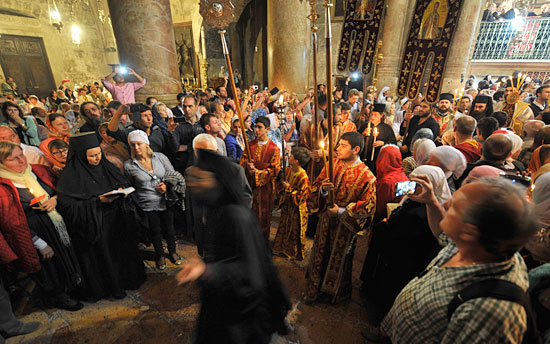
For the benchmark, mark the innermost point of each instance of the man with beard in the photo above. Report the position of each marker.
(443, 114)
(242, 298)
(422, 120)
(91, 113)
(518, 112)
(482, 106)
(161, 140)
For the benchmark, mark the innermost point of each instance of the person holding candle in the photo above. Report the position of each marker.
(354, 205)
(376, 135)
(262, 170)
(290, 239)
(28, 201)
(518, 112)
(103, 228)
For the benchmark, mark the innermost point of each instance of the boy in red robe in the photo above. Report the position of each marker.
(347, 124)
(262, 173)
(354, 190)
(291, 235)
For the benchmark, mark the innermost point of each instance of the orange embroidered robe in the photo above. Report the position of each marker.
(348, 126)
(471, 150)
(329, 268)
(267, 161)
(290, 239)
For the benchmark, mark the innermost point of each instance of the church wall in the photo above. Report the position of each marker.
(83, 63)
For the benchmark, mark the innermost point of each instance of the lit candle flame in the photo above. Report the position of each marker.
(322, 144)
(375, 132)
(281, 100)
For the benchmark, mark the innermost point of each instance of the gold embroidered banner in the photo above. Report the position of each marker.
(431, 33)
(360, 32)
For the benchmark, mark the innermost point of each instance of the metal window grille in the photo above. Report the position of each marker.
(518, 39)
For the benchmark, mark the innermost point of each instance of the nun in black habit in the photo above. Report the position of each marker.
(243, 300)
(377, 134)
(103, 229)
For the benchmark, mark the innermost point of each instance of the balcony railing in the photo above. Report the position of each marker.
(517, 39)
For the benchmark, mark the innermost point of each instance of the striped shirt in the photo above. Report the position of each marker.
(419, 313)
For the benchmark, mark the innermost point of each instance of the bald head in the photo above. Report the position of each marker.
(542, 137)
(466, 125)
(8, 134)
(531, 127)
(504, 219)
(497, 148)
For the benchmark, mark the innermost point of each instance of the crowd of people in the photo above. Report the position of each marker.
(88, 179)
(506, 11)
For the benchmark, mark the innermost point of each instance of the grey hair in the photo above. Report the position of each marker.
(503, 216)
(208, 140)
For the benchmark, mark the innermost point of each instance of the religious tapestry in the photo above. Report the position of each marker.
(359, 35)
(430, 35)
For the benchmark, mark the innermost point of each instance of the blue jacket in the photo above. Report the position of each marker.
(234, 150)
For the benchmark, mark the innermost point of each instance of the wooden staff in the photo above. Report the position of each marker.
(313, 17)
(235, 97)
(315, 91)
(328, 35)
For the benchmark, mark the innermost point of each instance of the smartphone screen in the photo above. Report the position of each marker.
(404, 188)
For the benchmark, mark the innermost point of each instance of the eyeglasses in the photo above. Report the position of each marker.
(9, 138)
(61, 152)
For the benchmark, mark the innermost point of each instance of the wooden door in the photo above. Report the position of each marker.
(24, 59)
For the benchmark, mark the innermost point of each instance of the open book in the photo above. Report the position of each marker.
(124, 192)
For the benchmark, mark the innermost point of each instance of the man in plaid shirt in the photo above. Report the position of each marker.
(483, 227)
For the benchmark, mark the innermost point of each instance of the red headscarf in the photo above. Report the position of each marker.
(389, 171)
(51, 159)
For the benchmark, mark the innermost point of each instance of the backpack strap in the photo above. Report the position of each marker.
(502, 290)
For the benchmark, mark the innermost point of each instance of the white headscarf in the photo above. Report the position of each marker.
(381, 96)
(422, 153)
(438, 180)
(517, 142)
(451, 159)
(138, 136)
(541, 198)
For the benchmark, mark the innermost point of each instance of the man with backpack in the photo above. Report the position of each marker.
(474, 291)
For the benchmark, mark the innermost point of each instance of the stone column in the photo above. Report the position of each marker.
(394, 35)
(288, 44)
(462, 46)
(145, 38)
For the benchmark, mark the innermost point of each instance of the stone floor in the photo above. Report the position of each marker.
(161, 312)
